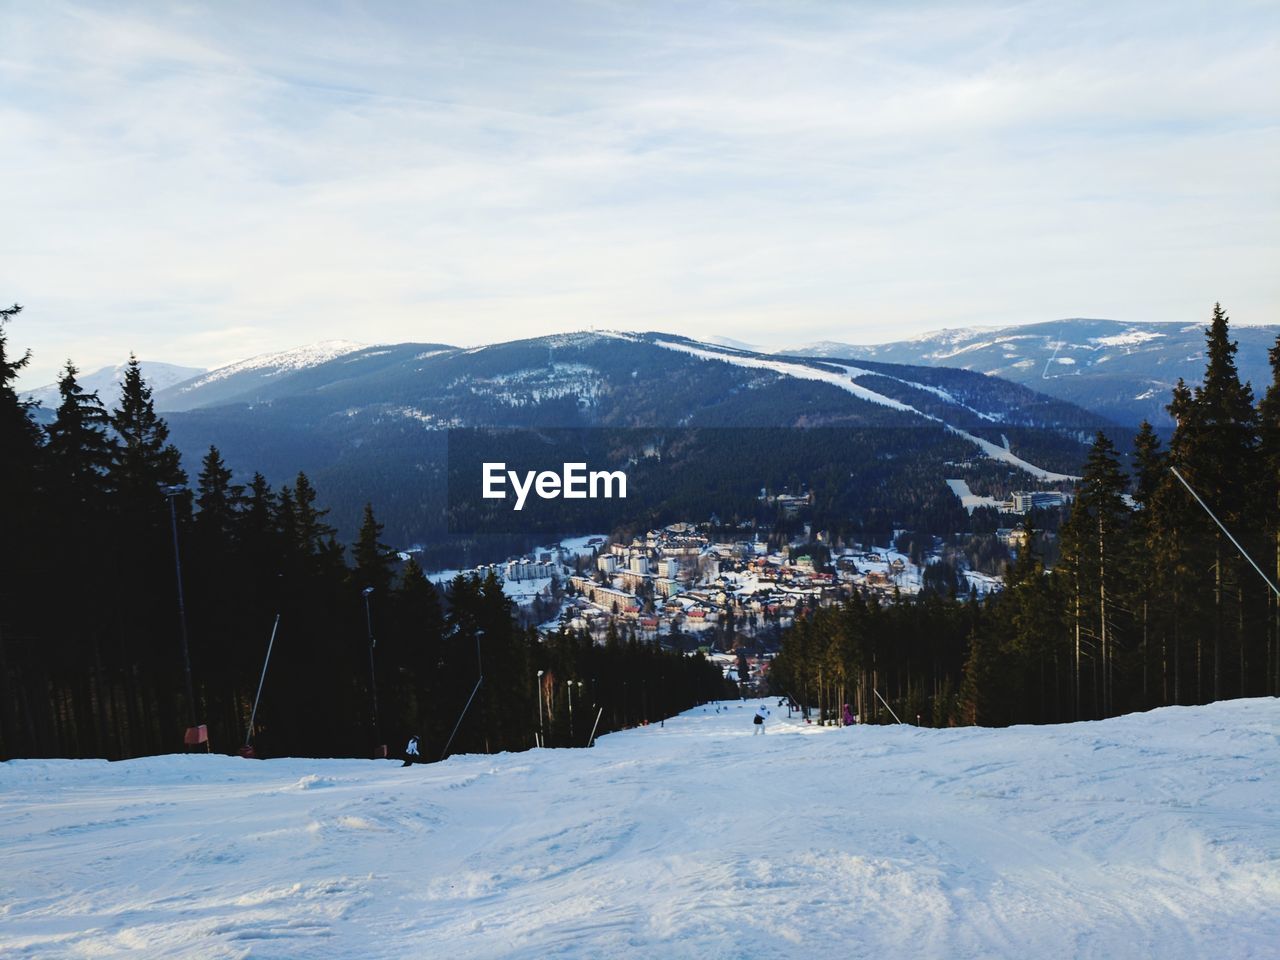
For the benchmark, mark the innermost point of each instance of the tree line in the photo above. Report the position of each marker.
(1149, 604)
(97, 660)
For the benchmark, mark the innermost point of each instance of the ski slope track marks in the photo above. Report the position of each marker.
(847, 380)
(1148, 835)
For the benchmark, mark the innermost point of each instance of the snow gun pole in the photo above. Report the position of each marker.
(449, 743)
(1243, 553)
(248, 734)
(886, 705)
(474, 691)
(592, 739)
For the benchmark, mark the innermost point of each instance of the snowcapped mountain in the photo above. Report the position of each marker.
(1149, 835)
(106, 382)
(244, 376)
(372, 423)
(1123, 371)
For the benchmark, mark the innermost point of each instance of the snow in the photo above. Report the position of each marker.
(995, 452)
(968, 499)
(844, 382)
(107, 382)
(798, 370)
(285, 361)
(1127, 339)
(1149, 835)
(582, 546)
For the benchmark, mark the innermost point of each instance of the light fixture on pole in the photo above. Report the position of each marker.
(381, 750)
(197, 733)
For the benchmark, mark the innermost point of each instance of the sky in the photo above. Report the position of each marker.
(200, 183)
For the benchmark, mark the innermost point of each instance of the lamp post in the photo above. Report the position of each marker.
(195, 734)
(542, 739)
(373, 677)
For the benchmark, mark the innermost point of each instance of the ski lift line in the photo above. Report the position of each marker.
(1243, 552)
(248, 734)
(886, 705)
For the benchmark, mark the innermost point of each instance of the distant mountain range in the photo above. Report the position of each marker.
(371, 423)
(1123, 371)
(106, 383)
(247, 378)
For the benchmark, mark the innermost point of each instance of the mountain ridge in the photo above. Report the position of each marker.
(1124, 371)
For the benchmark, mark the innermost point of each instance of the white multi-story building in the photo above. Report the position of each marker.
(1025, 500)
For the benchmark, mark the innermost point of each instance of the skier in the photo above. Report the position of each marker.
(411, 751)
(849, 719)
(762, 714)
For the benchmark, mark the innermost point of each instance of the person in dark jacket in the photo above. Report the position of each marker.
(762, 714)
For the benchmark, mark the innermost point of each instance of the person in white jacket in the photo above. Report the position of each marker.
(411, 752)
(759, 720)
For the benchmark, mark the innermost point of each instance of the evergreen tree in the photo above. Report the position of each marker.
(1269, 498)
(1094, 547)
(19, 435)
(143, 461)
(1150, 471)
(79, 448)
(1221, 464)
(21, 508)
(373, 558)
(217, 499)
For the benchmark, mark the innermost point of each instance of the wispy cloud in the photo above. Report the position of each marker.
(208, 181)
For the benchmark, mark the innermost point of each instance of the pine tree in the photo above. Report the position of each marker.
(1269, 495)
(19, 435)
(21, 506)
(1094, 542)
(373, 558)
(144, 461)
(1150, 470)
(1221, 464)
(217, 499)
(79, 448)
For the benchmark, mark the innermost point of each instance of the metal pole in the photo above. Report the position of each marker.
(1243, 553)
(171, 492)
(886, 705)
(595, 726)
(542, 737)
(569, 684)
(373, 677)
(449, 742)
(248, 734)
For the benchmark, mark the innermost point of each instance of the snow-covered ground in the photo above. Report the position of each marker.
(848, 381)
(1149, 835)
(968, 499)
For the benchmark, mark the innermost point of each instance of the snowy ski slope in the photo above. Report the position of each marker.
(1149, 835)
(848, 381)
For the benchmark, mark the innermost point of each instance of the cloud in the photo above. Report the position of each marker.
(206, 181)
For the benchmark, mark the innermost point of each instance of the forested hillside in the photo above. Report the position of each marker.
(1151, 603)
(97, 657)
(375, 423)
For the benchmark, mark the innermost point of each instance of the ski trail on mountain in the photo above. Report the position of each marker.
(845, 381)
